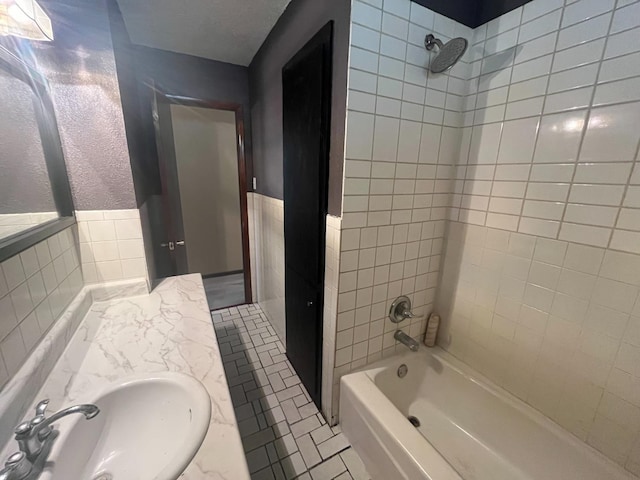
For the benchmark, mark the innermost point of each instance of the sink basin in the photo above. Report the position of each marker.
(149, 428)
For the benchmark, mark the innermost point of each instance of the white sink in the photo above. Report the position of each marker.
(149, 428)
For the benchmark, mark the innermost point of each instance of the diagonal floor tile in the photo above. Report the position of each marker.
(283, 433)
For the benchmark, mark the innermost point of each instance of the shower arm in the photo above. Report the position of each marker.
(430, 41)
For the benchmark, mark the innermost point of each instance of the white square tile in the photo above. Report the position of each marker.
(591, 215)
(551, 173)
(620, 67)
(421, 15)
(102, 230)
(578, 55)
(555, 192)
(585, 9)
(615, 295)
(364, 60)
(585, 234)
(393, 47)
(583, 258)
(365, 38)
(540, 26)
(535, 9)
(13, 351)
(518, 140)
(597, 194)
(537, 226)
(363, 81)
(128, 229)
(576, 77)
(533, 68)
(133, 268)
(401, 8)
(611, 135)
(485, 141)
(612, 173)
(569, 100)
(622, 43)
(13, 271)
(535, 48)
(619, 91)
(524, 108)
(626, 241)
(385, 143)
(359, 135)
(395, 26)
(366, 15)
(629, 219)
(110, 270)
(583, 32)
(625, 18)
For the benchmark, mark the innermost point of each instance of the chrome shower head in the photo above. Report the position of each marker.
(449, 53)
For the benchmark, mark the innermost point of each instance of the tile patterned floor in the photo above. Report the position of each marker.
(283, 433)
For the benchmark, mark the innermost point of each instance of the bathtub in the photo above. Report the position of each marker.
(468, 428)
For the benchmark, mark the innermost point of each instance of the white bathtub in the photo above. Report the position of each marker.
(469, 429)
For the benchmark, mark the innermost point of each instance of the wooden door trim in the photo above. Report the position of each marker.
(242, 172)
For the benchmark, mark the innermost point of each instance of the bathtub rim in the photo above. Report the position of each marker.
(372, 404)
(368, 373)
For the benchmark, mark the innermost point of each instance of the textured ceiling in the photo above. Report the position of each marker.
(225, 30)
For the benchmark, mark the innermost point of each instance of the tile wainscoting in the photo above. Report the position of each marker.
(330, 388)
(35, 288)
(268, 260)
(111, 245)
(266, 238)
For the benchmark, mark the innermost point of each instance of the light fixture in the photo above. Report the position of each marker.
(26, 19)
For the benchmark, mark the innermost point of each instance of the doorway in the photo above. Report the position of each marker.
(306, 81)
(204, 206)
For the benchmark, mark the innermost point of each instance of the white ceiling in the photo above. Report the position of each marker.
(225, 30)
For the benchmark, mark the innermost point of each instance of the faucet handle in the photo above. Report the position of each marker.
(23, 428)
(41, 408)
(401, 310)
(44, 431)
(17, 467)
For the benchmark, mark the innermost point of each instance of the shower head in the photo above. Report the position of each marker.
(449, 53)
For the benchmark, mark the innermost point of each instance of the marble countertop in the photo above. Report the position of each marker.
(169, 329)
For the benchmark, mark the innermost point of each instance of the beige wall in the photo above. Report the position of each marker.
(205, 142)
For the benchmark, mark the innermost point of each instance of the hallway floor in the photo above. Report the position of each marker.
(283, 433)
(224, 291)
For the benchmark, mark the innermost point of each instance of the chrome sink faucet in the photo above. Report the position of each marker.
(17, 467)
(32, 434)
(406, 340)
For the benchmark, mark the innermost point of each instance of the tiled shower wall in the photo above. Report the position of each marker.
(540, 292)
(403, 129)
(35, 288)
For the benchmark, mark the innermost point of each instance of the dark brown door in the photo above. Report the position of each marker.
(170, 238)
(306, 82)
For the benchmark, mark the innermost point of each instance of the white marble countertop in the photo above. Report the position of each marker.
(169, 329)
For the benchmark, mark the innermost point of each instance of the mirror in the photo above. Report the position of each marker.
(35, 198)
(26, 199)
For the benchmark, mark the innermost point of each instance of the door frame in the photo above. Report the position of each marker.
(242, 171)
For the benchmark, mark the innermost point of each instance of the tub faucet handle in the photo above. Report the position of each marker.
(401, 310)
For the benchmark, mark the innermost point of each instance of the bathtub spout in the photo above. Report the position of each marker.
(406, 340)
